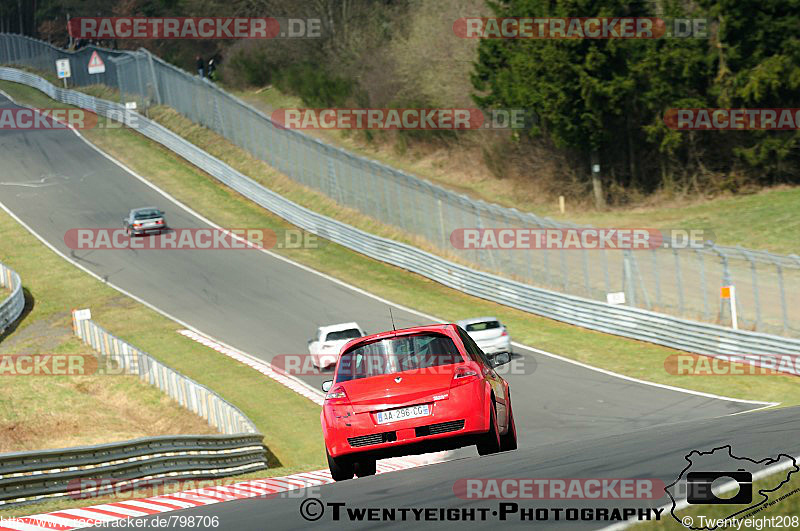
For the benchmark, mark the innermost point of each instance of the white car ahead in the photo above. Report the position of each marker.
(324, 348)
(489, 333)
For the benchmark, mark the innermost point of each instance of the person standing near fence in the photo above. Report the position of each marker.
(200, 66)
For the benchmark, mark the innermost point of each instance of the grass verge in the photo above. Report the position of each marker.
(229, 209)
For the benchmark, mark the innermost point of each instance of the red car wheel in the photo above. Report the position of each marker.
(490, 442)
(341, 468)
(509, 440)
(366, 467)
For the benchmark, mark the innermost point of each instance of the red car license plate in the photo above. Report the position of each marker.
(384, 417)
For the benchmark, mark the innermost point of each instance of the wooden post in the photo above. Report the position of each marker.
(729, 292)
(597, 183)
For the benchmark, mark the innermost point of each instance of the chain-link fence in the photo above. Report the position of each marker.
(679, 281)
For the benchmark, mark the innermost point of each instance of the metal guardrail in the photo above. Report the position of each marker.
(13, 305)
(195, 397)
(683, 282)
(92, 471)
(626, 321)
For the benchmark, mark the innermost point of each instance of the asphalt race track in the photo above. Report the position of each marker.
(570, 419)
(649, 453)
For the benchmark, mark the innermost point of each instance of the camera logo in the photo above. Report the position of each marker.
(731, 491)
(699, 487)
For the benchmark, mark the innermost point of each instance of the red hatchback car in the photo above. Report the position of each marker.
(413, 391)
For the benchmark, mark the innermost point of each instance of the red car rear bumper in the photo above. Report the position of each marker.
(453, 422)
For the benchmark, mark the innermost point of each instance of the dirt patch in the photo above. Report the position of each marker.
(43, 335)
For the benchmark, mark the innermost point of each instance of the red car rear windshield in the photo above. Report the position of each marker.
(397, 354)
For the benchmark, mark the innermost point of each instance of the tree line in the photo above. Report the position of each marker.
(605, 100)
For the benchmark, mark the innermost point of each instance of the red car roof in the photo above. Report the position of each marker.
(441, 328)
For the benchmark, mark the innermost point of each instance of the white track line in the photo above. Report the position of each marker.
(645, 382)
(264, 367)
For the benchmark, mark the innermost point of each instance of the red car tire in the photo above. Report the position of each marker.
(509, 440)
(490, 442)
(341, 468)
(366, 467)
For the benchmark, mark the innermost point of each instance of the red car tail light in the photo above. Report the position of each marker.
(464, 375)
(337, 396)
(159, 222)
(505, 332)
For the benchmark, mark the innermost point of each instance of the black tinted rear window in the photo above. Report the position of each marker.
(397, 354)
(485, 325)
(342, 334)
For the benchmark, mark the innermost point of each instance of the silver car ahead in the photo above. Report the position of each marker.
(144, 220)
(489, 333)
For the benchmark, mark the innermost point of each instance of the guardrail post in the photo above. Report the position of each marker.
(784, 313)
(142, 91)
(678, 280)
(699, 256)
(586, 273)
(156, 88)
(754, 280)
(656, 276)
(629, 287)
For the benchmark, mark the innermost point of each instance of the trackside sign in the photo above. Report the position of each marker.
(96, 64)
